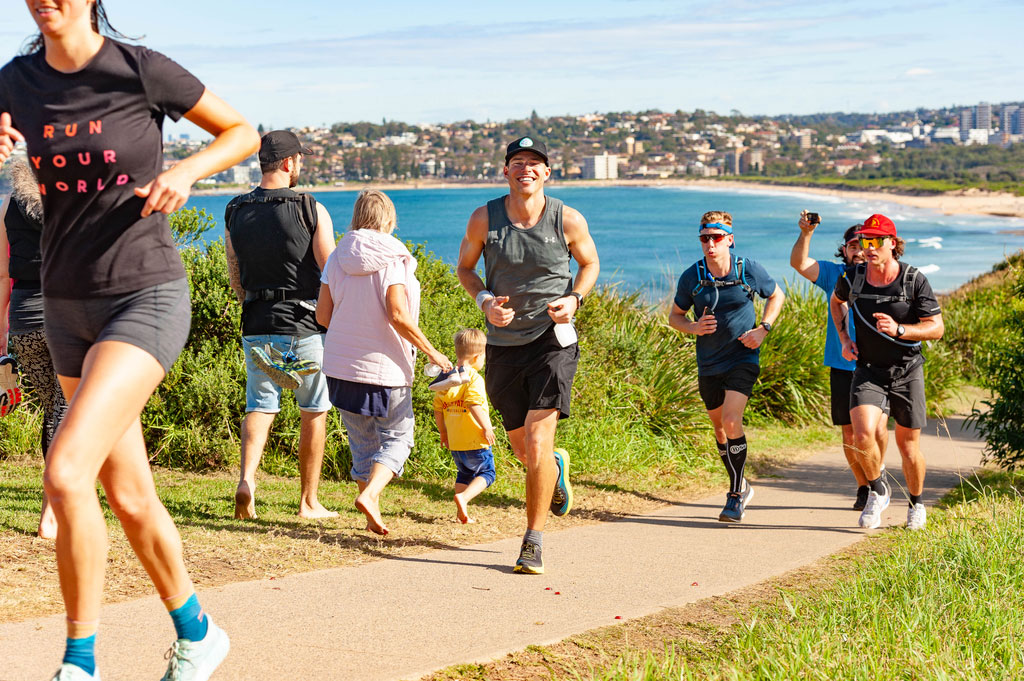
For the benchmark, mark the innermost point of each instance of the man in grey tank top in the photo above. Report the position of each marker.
(529, 302)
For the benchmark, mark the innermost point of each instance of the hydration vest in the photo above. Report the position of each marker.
(704, 278)
(905, 295)
(23, 234)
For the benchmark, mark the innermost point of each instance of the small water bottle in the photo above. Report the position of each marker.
(565, 334)
(431, 370)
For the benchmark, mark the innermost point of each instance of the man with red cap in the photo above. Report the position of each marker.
(893, 309)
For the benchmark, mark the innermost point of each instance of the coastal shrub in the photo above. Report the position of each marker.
(1001, 421)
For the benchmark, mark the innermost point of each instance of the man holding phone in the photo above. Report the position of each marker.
(894, 310)
(728, 340)
(824, 274)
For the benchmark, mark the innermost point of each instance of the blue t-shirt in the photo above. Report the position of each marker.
(828, 275)
(732, 306)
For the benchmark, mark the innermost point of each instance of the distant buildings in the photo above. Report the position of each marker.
(603, 167)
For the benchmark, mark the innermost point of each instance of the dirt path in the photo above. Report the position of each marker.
(407, 616)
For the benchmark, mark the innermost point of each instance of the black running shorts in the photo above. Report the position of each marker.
(839, 381)
(155, 319)
(538, 375)
(893, 389)
(741, 378)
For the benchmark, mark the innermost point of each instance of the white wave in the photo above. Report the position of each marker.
(928, 269)
(930, 244)
(930, 238)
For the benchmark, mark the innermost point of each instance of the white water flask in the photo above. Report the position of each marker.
(565, 334)
(431, 370)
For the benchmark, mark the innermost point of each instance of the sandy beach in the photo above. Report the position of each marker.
(967, 201)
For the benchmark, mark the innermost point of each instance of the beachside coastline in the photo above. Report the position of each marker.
(962, 202)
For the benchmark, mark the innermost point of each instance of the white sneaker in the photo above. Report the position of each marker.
(197, 660)
(871, 516)
(916, 517)
(72, 672)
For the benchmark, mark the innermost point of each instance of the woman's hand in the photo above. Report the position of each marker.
(167, 193)
(9, 136)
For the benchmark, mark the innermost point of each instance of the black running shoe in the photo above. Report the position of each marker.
(862, 498)
(530, 561)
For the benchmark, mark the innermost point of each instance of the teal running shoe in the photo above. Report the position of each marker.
(281, 375)
(561, 499)
(197, 660)
(292, 362)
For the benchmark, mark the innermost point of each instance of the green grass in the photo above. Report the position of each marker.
(915, 185)
(943, 603)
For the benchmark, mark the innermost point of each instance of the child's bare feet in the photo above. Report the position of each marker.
(315, 511)
(245, 503)
(462, 510)
(371, 509)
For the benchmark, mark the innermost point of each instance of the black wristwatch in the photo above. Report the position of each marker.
(900, 330)
(766, 326)
(578, 297)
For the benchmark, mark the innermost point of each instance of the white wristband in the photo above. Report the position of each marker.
(482, 298)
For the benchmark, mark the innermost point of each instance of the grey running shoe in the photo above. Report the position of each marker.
(530, 561)
(72, 672)
(561, 499)
(917, 516)
(197, 660)
(282, 376)
(871, 516)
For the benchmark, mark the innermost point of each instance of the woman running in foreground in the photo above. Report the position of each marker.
(117, 308)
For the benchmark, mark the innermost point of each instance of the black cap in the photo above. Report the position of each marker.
(526, 144)
(279, 144)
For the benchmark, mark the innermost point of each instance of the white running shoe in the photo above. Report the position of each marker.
(917, 516)
(72, 672)
(871, 516)
(197, 660)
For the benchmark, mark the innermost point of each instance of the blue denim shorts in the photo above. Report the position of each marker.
(263, 395)
(474, 463)
(386, 440)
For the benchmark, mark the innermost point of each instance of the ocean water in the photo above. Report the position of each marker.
(647, 236)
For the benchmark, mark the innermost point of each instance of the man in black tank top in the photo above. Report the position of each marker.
(529, 302)
(277, 243)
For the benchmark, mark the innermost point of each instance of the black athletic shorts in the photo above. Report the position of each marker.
(155, 319)
(741, 378)
(537, 375)
(899, 389)
(839, 381)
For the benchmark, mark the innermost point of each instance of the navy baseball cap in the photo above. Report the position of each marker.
(526, 144)
(279, 144)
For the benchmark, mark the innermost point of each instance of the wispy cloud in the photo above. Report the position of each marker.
(917, 72)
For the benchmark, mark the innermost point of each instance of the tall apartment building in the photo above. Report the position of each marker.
(1017, 122)
(983, 116)
(603, 167)
(1006, 119)
(752, 161)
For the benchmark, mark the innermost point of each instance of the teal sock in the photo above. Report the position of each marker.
(190, 621)
(81, 652)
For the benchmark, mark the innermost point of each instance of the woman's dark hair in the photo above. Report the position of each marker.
(100, 24)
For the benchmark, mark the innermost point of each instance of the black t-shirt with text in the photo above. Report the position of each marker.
(93, 136)
(874, 347)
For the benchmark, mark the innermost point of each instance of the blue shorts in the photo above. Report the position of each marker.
(474, 463)
(263, 395)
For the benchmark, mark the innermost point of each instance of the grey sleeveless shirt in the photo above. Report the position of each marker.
(530, 266)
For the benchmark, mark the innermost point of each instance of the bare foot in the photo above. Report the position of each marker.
(371, 509)
(315, 512)
(461, 510)
(47, 524)
(245, 504)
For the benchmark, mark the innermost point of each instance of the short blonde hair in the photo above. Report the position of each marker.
(716, 216)
(374, 210)
(469, 343)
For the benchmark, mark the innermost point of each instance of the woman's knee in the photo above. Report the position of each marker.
(64, 482)
(133, 507)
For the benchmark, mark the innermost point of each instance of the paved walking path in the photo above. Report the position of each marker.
(404, 617)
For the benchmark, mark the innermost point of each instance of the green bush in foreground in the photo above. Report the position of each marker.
(943, 603)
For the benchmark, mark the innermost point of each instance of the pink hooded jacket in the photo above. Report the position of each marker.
(361, 345)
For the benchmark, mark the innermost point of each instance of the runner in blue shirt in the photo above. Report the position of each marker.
(722, 285)
(824, 274)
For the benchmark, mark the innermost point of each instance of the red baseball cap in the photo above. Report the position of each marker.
(877, 225)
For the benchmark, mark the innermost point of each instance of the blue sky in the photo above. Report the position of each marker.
(435, 62)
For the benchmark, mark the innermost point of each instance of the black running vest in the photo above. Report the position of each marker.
(272, 236)
(23, 235)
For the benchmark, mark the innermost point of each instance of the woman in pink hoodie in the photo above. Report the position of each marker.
(370, 303)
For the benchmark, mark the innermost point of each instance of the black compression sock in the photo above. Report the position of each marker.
(737, 460)
(915, 499)
(876, 485)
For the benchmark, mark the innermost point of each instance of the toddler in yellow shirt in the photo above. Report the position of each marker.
(465, 425)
